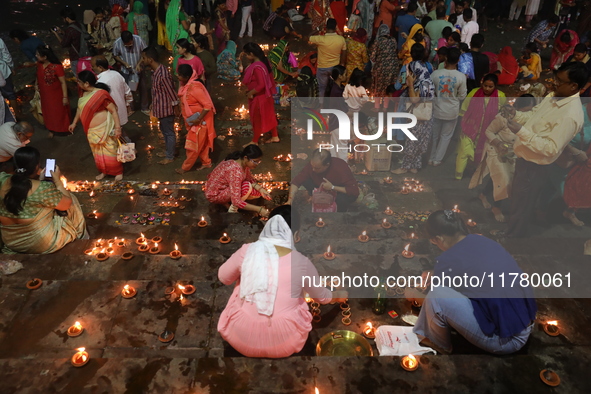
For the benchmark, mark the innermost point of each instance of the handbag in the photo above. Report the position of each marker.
(36, 107)
(423, 111)
(126, 151)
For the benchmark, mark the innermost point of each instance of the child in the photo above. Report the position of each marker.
(441, 57)
(530, 63)
(355, 94)
(454, 40)
(499, 159)
(445, 33)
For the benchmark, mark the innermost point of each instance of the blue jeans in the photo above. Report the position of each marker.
(445, 308)
(322, 75)
(167, 129)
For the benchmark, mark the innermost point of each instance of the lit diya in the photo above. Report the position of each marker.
(225, 238)
(130, 191)
(456, 209)
(551, 328)
(175, 254)
(166, 336)
(166, 192)
(388, 211)
(75, 330)
(328, 255)
(128, 291)
(369, 331)
(34, 284)
(388, 179)
(127, 256)
(121, 243)
(320, 223)
(409, 363)
(405, 190)
(471, 223)
(157, 239)
(155, 249)
(407, 253)
(363, 237)
(141, 239)
(102, 255)
(92, 215)
(386, 223)
(187, 289)
(81, 358)
(202, 222)
(143, 247)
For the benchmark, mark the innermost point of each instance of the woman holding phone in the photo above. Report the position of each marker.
(29, 221)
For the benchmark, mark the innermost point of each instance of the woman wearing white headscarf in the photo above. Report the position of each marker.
(267, 315)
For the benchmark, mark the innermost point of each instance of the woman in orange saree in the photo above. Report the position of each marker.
(198, 110)
(98, 113)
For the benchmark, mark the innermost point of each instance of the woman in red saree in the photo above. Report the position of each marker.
(51, 82)
(98, 113)
(564, 46)
(339, 12)
(509, 67)
(197, 109)
(259, 81)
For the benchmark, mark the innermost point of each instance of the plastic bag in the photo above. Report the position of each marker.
(399, 341)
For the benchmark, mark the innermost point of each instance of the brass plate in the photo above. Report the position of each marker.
(343, 343)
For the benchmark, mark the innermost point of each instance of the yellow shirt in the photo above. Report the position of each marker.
(548, 128)
(330, 46)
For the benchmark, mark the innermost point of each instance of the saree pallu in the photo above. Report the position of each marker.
(47, 233)
(279, 54)
(104, 147)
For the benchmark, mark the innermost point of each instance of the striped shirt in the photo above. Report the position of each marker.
(164, 97)
(130, 55)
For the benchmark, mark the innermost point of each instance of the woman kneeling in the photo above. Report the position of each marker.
(496, 319)
(267, 315)
(30, 209)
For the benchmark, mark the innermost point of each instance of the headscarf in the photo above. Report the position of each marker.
(230, 49)
(510, 67)
(413, 31)
(360, 35)
(279, 53)
(383, 30)
(307, 61)
(116, 12)
(477, 119)
(259, 274)
(174, 28)
(88, 17)
(138, 8)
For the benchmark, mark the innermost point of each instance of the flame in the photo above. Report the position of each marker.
(81, 349)
(78, 325)
(328, 249)
(388, 209)
(94, 212)
(385, 221)
(91, 194)
(156, 245)
(84, 358)
(406, 248)
(455, 208)
(176, 247)
(102, 251)
(225, 235)
(412, 236)
(368, 328)
(320, 219)
(126, 288)
(181, 298)
(142, 235)
(202, 219)
(316, 391)
(181, 287)
(552, 323)
(412, 361)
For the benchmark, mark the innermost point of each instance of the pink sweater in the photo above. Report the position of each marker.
(286, 331)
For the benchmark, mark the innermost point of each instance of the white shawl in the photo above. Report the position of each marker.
(260, 269)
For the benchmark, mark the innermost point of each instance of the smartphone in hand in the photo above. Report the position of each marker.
(49, 167)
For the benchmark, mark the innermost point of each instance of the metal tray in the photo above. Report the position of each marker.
(343, 343)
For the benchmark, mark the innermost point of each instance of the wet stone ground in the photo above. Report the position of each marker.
(121, 335)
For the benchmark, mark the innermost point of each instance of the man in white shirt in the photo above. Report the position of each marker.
(13, 136)
(119, 89)
(470, 28)
(544, 133)
(460, 7)
(450, 91)
(6, 66)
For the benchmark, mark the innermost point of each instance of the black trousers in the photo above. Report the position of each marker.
(529, 181)
(344, 201)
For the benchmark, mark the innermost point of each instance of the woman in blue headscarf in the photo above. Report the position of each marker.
(228, 65)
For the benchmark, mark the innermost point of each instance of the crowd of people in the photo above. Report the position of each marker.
(386, 55)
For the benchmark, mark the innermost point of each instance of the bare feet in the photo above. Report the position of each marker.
(499, 217)
(485, 202)
(99, 177)
(165, 161)
(399, 171)
(161, 154)
(573, 218)
(204, 166)
(275, 140)
(179, 171)
(118, 177)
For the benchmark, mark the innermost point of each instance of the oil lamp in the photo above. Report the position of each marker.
(369, 331)
(363, 237)
(328, 255)
(320, 223)
(407, 253)
(388, 211)
(225, 238)
(143, 247)
(155, 249)
(75, 330)
(81, 358)
(176, 254)
(34, 284)
(471, 223)
(141, 239)
(551, 328)
(409, 363)
(128, 291)
(202, 222)
(187, 289)
(386, 223)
